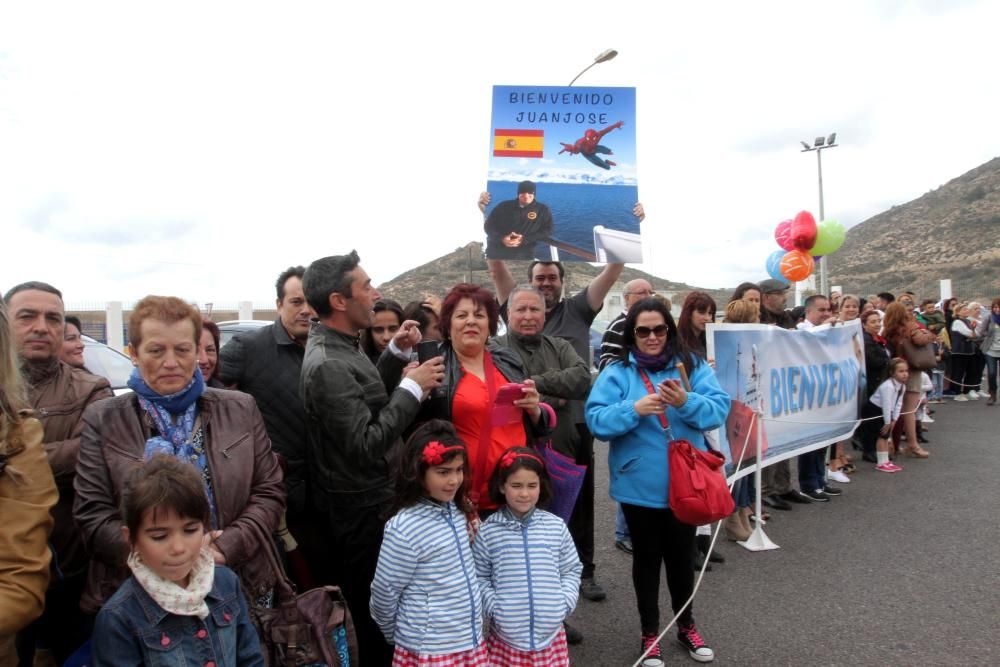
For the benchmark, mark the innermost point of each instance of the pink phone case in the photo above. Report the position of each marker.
(509, 393)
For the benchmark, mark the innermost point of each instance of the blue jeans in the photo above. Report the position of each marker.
(937, 377)
(991, 371)
(812, 470)
(743, 492)
(621, 527)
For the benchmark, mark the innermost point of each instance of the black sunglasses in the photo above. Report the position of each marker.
(659, 330)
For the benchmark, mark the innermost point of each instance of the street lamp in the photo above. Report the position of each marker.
(602, 57)
(819, 145)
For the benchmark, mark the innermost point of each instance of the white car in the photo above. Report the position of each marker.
(106, 361)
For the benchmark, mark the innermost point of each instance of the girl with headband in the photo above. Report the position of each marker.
(527, 566)
(425, 597)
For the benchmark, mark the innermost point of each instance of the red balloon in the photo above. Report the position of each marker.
(796, 265)
(783, 233)
(803, 233)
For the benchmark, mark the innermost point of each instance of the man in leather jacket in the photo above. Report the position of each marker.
(58, 394)
(355, 415)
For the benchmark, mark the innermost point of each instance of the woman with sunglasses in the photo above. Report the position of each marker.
(626, 407)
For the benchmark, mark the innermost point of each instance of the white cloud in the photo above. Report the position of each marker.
(200, 148)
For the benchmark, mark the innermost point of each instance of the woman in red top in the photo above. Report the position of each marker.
(476, 370)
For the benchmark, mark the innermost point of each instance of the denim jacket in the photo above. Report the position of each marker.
(131, 629)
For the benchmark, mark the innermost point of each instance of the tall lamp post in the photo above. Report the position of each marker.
(602, 57)
(818, 146)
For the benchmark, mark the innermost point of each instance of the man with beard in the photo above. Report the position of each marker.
(58, 394)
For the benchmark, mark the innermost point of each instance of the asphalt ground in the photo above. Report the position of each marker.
(902, 569)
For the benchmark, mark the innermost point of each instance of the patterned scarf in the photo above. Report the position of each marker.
(174, 417)
(171, 597)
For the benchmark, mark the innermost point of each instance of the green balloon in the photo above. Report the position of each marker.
(830, 236)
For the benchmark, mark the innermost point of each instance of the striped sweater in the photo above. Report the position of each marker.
(425, 597)
(529, 573)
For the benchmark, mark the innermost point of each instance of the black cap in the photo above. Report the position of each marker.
(525, 187)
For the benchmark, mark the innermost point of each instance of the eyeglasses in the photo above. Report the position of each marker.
(659, 331)
(645, 292)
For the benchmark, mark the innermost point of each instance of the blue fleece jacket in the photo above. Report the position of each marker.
(637, 457)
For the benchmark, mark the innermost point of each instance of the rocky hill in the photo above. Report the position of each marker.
(951, 232)
(467, 264)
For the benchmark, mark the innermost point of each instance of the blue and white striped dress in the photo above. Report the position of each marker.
(529, 573)
(425, 597)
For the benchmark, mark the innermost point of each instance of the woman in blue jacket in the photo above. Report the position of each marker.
(624, 409)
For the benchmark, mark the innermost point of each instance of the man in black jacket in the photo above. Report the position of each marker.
(516, 225)
(266, 364)
(355, 415)
(776, 478)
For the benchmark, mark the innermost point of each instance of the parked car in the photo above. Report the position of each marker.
(230, 328)
(597, 330)
(106, 361)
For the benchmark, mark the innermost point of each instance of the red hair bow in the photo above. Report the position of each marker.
(507, 460)
(434, 452)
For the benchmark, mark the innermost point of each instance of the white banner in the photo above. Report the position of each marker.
(805, 385)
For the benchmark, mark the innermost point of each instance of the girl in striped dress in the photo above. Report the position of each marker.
(425, 597)
(527, 566)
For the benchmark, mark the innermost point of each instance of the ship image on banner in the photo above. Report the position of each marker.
(562, 175)
(807, 386)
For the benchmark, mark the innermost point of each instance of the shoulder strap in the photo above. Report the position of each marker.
(486, 430)
(649, 387)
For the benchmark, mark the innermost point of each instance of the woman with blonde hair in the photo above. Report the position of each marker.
(742, 311)
(27, 493)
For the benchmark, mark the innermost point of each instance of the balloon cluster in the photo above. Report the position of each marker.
(802, 241)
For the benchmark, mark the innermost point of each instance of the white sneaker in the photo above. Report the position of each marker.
(973, 396)
(927, 419)
(838, 476)
(961, 397)
(982, 394)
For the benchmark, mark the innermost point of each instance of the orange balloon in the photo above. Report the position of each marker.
(796, 265)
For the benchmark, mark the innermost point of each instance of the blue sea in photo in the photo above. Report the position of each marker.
(576, 209)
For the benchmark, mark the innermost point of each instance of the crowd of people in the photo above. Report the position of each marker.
(400, 454)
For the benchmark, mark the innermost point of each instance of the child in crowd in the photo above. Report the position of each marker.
(923, 412)
(889, 399)
(425, 597)
(527, 566)
(178, 607)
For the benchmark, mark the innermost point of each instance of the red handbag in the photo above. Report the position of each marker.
(697, 494)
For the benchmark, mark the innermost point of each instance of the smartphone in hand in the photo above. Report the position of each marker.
(427, 349)
(508, 393)
(504, 410)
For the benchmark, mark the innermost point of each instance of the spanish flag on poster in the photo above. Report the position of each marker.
(518, 143)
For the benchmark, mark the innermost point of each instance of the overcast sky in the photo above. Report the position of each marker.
(197, 149)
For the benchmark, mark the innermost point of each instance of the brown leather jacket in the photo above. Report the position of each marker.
(27, 493)
(59, 394)
(246, 483)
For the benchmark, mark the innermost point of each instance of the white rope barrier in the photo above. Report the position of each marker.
(718, 524)
(711, 546)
